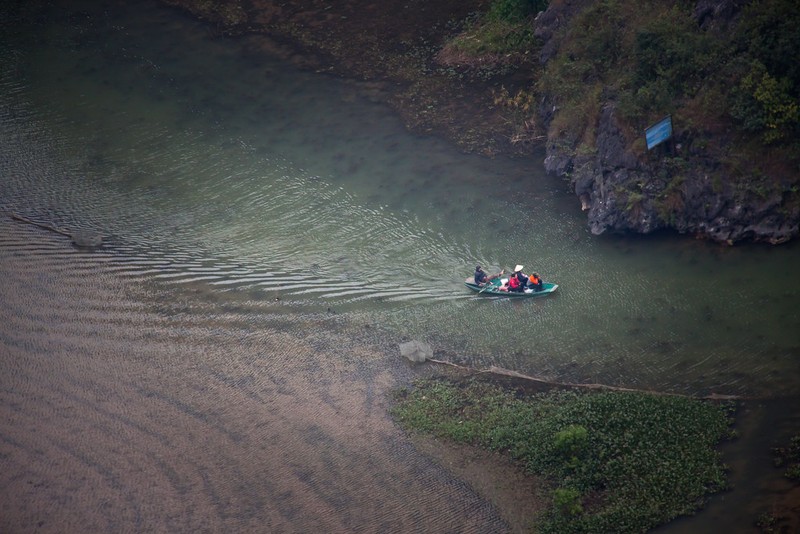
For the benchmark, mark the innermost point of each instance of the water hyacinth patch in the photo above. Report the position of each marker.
(618, 461)
(789, 458)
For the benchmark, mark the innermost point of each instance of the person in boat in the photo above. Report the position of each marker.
(514, 285)
(535, 282)
(517, 281)
(481, 278)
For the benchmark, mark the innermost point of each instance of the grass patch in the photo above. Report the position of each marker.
(618, 462)
(493, 37)
(504, 29)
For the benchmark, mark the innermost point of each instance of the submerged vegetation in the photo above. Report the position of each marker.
(782, 515)
(788, 458)
(617, 462)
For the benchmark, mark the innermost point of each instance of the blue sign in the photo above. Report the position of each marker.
(659, 132)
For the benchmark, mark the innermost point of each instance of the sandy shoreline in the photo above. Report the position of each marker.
(120, 415)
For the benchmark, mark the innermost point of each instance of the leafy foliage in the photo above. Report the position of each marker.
(651, 458)
(567, 502)
(671, 58)
(767, 90)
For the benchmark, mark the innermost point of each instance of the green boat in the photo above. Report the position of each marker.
(494, 289)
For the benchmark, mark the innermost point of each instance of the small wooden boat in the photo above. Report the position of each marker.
(494, 289)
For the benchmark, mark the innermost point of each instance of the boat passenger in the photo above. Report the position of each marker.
(535, 281)
(481, 278)
(521, 277)
(515, 285)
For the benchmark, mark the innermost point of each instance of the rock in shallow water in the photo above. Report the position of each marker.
(86, 239)
(416, 351)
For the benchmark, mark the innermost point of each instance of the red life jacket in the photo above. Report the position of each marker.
(513, 282)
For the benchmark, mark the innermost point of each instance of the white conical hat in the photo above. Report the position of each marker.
(517, 268)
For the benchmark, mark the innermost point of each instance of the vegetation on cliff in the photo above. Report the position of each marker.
(616, 462)
(665, 58)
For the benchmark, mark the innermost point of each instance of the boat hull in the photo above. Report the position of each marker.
(547, 289)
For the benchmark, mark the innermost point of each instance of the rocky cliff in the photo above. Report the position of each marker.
(679, 185)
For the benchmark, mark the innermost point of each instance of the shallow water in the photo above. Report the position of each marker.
(203, 161)
(280, 232)
(121, 415)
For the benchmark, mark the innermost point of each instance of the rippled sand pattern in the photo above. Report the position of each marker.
(125, 409)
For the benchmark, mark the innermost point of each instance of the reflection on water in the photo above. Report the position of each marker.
(281, 231)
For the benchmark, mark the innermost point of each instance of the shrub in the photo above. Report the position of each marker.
(571, 444)
(765, 103)
(567, 502)
(766, 73)
(671, 48)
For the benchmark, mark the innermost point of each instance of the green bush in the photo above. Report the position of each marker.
(567, 502)
(671, 48)
(571, 443)
(765, 71)
(766, 104)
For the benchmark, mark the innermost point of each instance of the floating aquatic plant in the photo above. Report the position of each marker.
(621, 462)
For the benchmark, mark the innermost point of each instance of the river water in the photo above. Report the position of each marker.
(270, 235)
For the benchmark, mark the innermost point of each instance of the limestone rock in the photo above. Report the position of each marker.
(416, 351)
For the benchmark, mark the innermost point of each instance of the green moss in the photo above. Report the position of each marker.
(635, 199)
(640, 459)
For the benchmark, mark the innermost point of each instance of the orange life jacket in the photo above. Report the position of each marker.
(535, 281)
